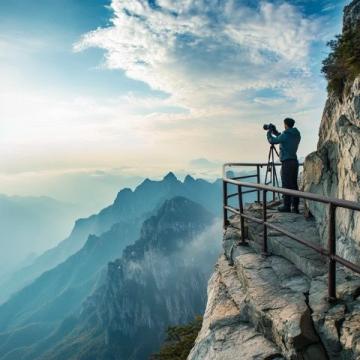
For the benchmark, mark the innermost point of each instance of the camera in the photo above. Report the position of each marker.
(270, 127)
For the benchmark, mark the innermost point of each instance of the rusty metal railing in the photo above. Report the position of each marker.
(332, 203)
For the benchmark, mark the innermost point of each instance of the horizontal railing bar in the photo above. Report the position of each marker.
(318, 249)
(253, 164)
(257, 165)
(252, 218)
(248, 217)
(244, 192)
(249, 191)
(304, 195)
(248, 164)
(244, 177)
(346, 263)
(231, 209)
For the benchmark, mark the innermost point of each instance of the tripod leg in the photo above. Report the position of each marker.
(277, 183)
(273, 169)
(267, 168)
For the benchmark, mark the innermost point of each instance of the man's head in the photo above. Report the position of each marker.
(289, 123)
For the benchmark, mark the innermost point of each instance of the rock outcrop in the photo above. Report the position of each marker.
(276, 307)
(226, 333)
(334, 168)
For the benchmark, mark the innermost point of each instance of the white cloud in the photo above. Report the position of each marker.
(227, 67)
(203, 52)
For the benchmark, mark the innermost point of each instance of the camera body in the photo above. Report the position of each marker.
(269, 127)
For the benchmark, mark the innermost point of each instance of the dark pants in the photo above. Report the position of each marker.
(289, 178)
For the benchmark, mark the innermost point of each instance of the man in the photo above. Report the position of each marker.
(289, 142)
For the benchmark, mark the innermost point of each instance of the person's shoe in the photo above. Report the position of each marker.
(295, 210)
(284, 208)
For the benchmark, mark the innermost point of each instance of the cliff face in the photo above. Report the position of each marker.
(159, 281)
(276, 307)
(334, 168)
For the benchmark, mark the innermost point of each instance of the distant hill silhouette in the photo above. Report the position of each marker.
(156, 282)
(130, 208)
(30, 225)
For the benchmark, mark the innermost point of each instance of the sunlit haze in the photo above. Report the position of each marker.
(97, 94)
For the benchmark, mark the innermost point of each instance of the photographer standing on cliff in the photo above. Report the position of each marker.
(289, 142)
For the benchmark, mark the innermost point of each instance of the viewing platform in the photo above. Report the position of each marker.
(278, 292)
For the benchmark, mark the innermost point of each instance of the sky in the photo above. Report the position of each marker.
(95, 95)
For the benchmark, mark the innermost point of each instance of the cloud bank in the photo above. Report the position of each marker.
(211, 73)
(208, 53)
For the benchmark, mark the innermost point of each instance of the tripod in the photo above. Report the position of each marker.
(271, 177)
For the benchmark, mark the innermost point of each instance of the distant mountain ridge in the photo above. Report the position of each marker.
(131, 208)
(55, 297)
(154, 273)
(150, 287)
(25, 223)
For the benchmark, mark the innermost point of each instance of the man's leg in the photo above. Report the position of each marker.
(286, 183)
(295, 173)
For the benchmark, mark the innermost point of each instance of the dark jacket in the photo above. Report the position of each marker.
(289, 142)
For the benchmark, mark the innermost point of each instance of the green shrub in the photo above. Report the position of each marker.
(179, 341)
(343, 63)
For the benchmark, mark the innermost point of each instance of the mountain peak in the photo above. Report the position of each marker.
(123, 195)
(188, 179)
(170, 177)
(175, 220)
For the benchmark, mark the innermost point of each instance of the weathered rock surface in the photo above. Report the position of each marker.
(226, 334)
(307, 260)
(276, 302)
(338, 325)
(334, 168)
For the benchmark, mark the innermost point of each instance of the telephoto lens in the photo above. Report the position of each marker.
(270, 126)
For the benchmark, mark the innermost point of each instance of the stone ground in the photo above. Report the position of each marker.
(275, 307)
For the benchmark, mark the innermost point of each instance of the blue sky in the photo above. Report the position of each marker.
(149, 85)
(51, 28)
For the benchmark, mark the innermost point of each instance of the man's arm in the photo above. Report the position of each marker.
(276, 133)
(275, 139)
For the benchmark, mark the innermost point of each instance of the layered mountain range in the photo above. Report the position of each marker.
(82, 302)
(129, 209)
(29, 226)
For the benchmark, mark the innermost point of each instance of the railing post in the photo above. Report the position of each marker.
(241, 210)
(225, 203)
(258, 181)
(265, 245)
(332, 252)
(273, 175)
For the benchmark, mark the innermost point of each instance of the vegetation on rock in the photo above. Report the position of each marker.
(179, 341)
(343, 63)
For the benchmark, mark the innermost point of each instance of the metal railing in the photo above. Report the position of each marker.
(256, 176)
(332, 204)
